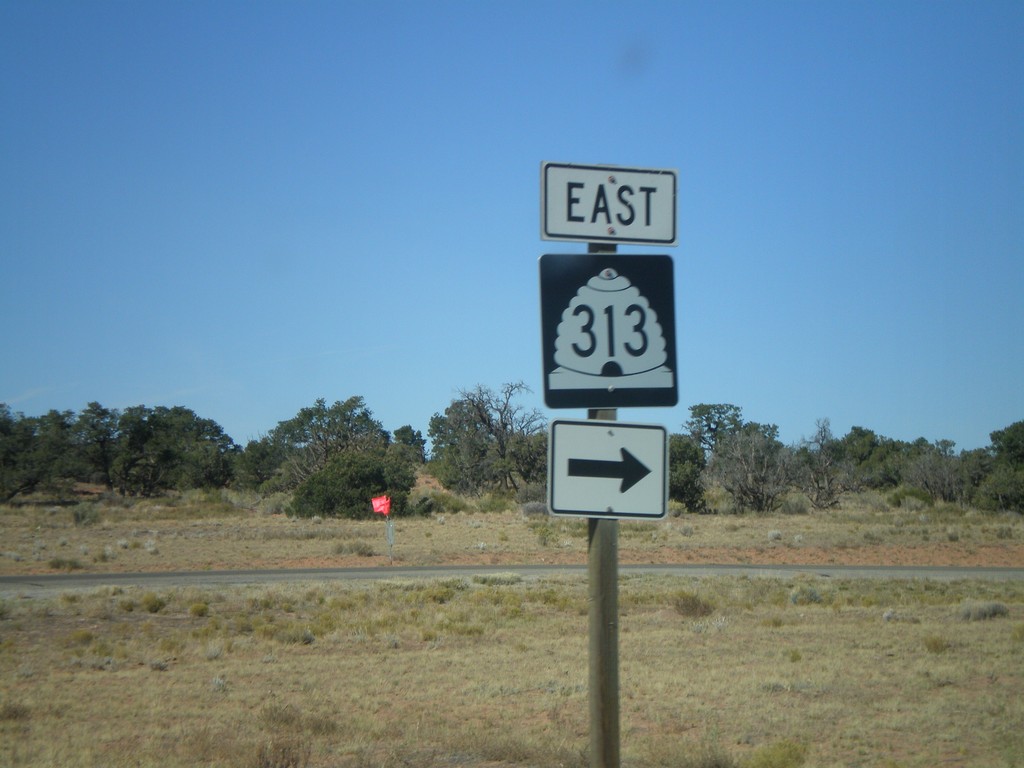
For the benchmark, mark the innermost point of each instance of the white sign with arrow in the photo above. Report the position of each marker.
(607, 469)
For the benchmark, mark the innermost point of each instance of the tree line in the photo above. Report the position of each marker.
(331, 459)
(753, 466)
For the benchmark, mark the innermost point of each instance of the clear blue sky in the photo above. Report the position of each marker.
(241, 207)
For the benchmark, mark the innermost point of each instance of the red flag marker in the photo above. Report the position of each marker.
(381, 505)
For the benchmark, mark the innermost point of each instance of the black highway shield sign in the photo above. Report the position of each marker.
(608, 331)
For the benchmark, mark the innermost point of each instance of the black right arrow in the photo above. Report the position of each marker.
(629, 470)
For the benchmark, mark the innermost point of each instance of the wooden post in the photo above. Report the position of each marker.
(603, 571)
(603, 575)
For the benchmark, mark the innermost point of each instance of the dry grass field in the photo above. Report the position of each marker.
(491, 671)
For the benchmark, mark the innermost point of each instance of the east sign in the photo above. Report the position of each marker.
(608, 204)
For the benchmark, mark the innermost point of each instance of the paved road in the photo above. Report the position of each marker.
(48, 584)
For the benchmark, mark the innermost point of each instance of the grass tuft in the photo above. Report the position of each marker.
(153, 603)
(65, 564)
(282, 753)
(691, 605)
(85, 513)
(805, 594)
(975, 610)
(782, 754)
(937, 644)
(682, 754)
(498, 579)
(356, 547)
(12, 712)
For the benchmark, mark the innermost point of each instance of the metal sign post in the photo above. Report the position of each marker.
(382, 506)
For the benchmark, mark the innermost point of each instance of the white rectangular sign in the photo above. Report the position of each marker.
(607, 469)
(608, 203)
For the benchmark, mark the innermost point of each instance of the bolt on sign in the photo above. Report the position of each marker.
(608, 204)
(608, 331)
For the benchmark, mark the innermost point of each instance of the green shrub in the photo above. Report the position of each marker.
(686, 464)
(691, 605)
(435, 502)
(85, 513)
(442, 592)
(153, 602)
(804, 594)
(531, 493)
(80, 637)
(533, 508)
(873, 500)
(422, 506)
(276, 503)
(795, 504)
(900, 496)
(495, 502)
(545, 532)
(344, 487)
(973, 610)
(1003, 489)
(356, 547)
(292, 634)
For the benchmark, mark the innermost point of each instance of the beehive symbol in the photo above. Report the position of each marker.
(609, 338)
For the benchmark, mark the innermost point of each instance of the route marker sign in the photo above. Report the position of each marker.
(608, 331)
(608, 204)
(607, 469)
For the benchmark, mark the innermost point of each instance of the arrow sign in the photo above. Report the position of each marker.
(630, 470)
(584, 455)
